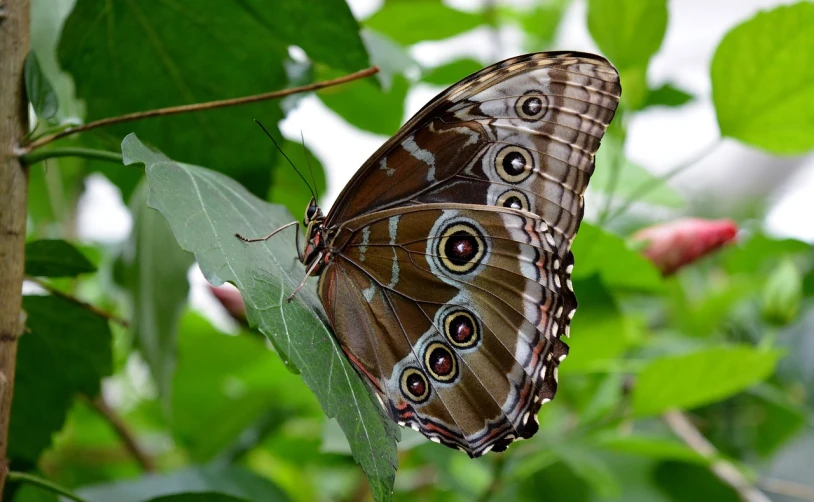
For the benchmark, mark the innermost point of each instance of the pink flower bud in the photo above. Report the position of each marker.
(672, 245)
(231, 300)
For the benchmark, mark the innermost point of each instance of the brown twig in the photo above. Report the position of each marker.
(788, 488)
(123, 431)
(87, 306)
(197, 107)
(725, 470)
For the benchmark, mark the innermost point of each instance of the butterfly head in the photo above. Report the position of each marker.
(312, 214)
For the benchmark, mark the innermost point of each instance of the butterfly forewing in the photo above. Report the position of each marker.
(447, 280)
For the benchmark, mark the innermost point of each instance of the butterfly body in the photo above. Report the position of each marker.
(445, 263)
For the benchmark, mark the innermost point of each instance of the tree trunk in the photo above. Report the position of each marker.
(14, 43)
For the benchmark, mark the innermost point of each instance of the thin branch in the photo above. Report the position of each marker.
(789, 488)
(125, 434)
(651, 185)
(45, 484)
(725, 470)
(197, 107)
(87, 306)
(88, 153)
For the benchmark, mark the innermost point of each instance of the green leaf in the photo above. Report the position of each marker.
(754, 253)
(599, 252)
(667, 95)
(597, 320)
(231, 483)
(450, 73)
(702, 377)
(287, 188)
(133, 56)
(199, 497)
(205, 209)
(628, 32)
(40, 93)
(219, 374)
(67, 350)
(763, 80)
(652, 447)
(680, 481)
(389, 56)
(782, 293)
(153, 269)
(540, 24)
(366, 106)
(55, 258)
(421, 20)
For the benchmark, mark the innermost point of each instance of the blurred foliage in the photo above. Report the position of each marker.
(228, 413)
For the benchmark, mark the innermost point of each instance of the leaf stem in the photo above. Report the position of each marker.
(123, 431)
(43, 483)
(651, 185)
(197, 107)
(87, 306)
(725, 470)
(32, 158)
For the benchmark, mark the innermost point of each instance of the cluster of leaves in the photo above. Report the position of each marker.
(228, 418)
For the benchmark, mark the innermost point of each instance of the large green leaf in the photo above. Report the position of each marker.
(420, 20)
(599, 252)
(701, 377)
(628, 32)
(55, 258)
(763, 80)
(66, 350)
(129, 56)
(219, 374)
(205, 210)
(153, 269)
(228, 481)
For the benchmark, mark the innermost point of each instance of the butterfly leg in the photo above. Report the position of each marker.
(308, 273)
(273, 232)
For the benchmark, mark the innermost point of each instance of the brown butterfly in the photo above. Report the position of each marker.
(445, 264)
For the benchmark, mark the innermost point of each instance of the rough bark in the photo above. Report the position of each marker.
(14, 44)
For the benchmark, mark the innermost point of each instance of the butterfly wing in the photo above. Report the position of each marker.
(449, 281)
(521, 133)
(454, 313)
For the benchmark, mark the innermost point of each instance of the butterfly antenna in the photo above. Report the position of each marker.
(308, 161)
(286, 158)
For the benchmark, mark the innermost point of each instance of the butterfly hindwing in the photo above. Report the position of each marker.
(483, 287)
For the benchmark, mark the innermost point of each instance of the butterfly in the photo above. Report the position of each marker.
(445, 264)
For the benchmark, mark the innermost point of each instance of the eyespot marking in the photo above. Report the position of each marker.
(414, 386)
(514, 164)
(531, 106)
(462, 329)
(440, 362)
(461, 248)
(513, 199)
